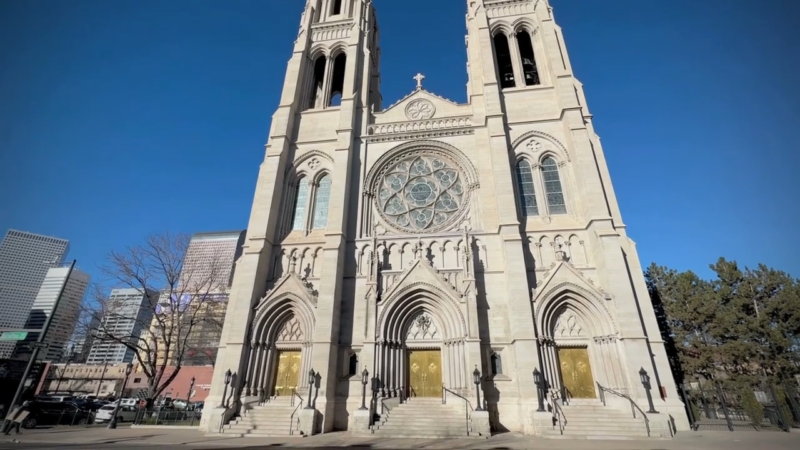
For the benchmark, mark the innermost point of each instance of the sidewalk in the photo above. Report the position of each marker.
(126, 438)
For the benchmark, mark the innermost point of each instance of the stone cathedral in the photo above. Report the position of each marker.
(410, 265)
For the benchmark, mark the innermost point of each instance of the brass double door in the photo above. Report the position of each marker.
(424, 373)
(287, 372)
(576, 372)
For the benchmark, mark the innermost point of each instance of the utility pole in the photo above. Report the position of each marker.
(36, 346)
(64, 369)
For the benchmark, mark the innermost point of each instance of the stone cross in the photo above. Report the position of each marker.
(419, 77)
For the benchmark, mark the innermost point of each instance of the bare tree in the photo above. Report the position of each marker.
(176, 298)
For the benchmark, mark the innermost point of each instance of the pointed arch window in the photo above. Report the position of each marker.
(317, 82)
(527, 193)
(552, 187)
(321, 202)
(300, 202)
(529, 70)
(337, 80)
(502, 53)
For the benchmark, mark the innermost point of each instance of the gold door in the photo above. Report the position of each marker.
(576, 372)
(424, 373)
(288, 372)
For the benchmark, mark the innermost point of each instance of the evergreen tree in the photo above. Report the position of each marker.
(742, 326)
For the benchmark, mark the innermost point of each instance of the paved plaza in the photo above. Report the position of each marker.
(127, 438)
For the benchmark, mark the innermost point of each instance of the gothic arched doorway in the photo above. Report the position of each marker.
(280, 350)
(422, 345)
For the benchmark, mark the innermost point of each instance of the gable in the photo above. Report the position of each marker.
(419, 272)
(290, 284)
(420, 105)
(561, 275)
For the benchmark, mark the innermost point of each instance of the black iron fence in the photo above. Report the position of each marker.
(713, 405)
(173, 417)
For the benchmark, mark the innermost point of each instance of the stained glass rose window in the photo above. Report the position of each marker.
(421, 192)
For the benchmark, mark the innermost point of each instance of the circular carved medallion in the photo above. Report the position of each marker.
(420, 109)
(421, 192)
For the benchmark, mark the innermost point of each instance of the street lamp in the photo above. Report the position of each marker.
(364, 381)
(537, 378)
(112, 425)
(476, 378)
(645, 379)
(189, 395)
(225, 391)
(312, 377)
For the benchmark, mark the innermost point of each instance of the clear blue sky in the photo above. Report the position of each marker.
(126, 117)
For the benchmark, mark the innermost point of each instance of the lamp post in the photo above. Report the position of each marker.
(225, 391)
(38, 345)
(112, 425)
(476, 378)
(645, 378)
(537, 378)
(312, 377)
(364, 381)
(189, 394)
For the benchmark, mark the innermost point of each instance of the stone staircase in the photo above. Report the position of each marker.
(589, 419)
(274, 418)
(423, 418)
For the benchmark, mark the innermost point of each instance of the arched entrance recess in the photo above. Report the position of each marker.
(579, 342)
(280, 347)
(429, 321)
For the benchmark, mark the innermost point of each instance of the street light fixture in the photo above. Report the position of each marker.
(364, 381)
(537, 379)
(476, 378)
(312, 377)
(225, 391)
(645, 379)
(189, 395)
(112, 425)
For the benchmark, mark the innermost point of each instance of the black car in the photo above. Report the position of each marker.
(56, 413)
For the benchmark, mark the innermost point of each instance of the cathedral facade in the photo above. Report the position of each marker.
(433, 248)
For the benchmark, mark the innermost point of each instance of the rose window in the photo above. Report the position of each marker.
(421, 193)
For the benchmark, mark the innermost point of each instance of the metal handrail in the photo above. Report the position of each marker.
(291, 403)
(558, 413)
(634, 406)
(222, 416)
(467, 404)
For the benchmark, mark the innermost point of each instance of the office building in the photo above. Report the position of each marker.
(65, 317)
(207, 268)
(25, 259)
(126, 315)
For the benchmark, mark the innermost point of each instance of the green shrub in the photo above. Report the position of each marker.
(782, 402)
(751, 406)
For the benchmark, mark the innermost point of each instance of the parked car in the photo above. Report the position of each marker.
(56, 413)
(125, 414)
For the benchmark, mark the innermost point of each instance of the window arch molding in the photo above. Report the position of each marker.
(526, 25)
(501, 27)
(337, 49)
(557, 147)
(317, 51)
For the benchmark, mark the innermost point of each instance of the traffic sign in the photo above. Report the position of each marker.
(40, 345)
(13, 335)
